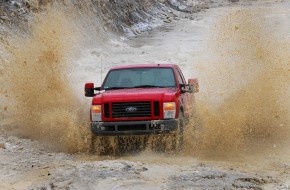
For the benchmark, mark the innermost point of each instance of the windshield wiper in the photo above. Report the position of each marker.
(116, 88)
(149, 86)
(140, 86)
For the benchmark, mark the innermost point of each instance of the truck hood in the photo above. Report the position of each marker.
(135, 94)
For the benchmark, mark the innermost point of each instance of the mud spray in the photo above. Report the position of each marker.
(39, 94)
(244, 88)
(243, 105)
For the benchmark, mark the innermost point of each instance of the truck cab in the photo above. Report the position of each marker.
(140, 100)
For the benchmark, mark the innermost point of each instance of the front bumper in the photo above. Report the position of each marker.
(133, 127)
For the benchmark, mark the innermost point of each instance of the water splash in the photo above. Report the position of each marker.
(245, 104)
(37, 81)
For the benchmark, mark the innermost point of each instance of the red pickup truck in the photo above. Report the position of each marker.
(141, 100)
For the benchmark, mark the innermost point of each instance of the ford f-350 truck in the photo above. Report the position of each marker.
(141, 100)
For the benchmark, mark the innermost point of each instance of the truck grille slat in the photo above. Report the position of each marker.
(156, 108)
(137, 114)
(131, 109)
(128, 103)
(122, 109)
(107, 110)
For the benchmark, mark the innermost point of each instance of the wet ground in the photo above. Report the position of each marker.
(206, 47)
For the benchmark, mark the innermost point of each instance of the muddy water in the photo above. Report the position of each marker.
(241, 57)
(40, 102)
(239, 54)
(246, 75)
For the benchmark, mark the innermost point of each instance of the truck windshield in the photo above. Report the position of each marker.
(140, 78)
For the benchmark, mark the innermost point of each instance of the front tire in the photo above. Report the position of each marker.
(103, 145)
(178, 135)
(173, 141)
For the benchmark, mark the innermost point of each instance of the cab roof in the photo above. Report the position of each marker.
(144, 66)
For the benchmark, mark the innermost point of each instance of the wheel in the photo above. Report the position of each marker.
(131, 144)
(158, 142)
(178, 135)
(117, 145)
(103, 145)
(171, 142)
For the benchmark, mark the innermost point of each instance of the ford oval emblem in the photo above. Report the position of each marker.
(131, 109)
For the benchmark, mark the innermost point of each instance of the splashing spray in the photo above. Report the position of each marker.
(37, 82)
(245, 105)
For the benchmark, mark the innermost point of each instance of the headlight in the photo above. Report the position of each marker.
(96, 113)
(169, 110)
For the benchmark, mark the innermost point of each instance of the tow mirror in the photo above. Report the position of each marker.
(89, 90)
(193, 85)
(184, 88)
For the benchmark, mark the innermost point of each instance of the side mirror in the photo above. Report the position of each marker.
(89, 90)
(193, 85)
(184, 88)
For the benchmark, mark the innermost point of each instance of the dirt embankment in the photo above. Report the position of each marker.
(129, 17)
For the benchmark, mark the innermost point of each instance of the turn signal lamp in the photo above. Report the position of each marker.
(169, 110)
(96, 109)
(96, 113)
